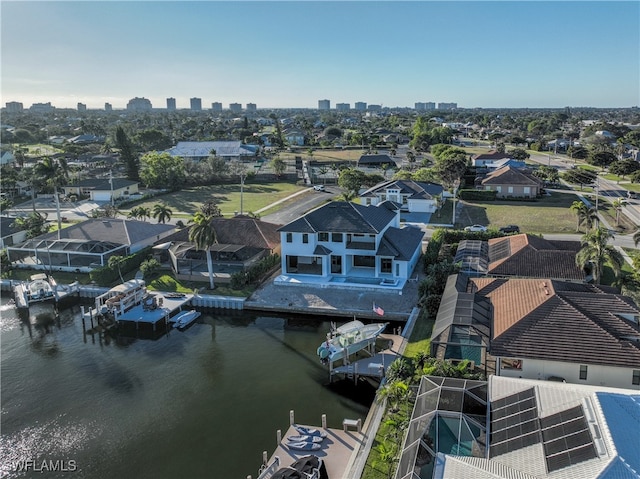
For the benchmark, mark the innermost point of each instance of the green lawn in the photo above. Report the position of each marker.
(256, 196)
(550, 214)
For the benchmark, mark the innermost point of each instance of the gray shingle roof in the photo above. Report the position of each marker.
(119, 231)
(417, 189)
(104, 184)
(401, 244)
(342, 217)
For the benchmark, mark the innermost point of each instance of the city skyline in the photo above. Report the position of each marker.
(292, 54)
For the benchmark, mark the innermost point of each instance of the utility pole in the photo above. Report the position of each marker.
(111, 185)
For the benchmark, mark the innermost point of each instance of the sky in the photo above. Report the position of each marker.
(504, 54)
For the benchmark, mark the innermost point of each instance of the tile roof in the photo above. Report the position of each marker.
(120, 231)
(511, 176)
(342, 217)
(531, 256)
(239, 230)
(561, 321)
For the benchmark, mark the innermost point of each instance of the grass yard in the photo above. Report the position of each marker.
(184, 203)
(550, 214)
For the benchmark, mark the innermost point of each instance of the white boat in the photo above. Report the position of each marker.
(348, 339)
(185, 318)
(305, 438)
(120, 299)
(39, 288)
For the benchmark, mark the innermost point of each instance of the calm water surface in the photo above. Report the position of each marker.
(201, 403)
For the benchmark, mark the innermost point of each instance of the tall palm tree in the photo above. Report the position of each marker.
(116, 261)
(204, 236)
(162, 212)
(596, 253)
(55, 173)
(578, 207)
(589, 216)
(617, 204)
(145, 213)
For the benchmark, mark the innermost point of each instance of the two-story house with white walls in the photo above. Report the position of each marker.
(414, 196)
(343, 243)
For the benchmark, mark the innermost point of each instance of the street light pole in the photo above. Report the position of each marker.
(243, 175)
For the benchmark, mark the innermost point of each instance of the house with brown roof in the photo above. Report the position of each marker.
(542, 329)
(510, 182)
(241, 242)
(522, 255)
(485, 159)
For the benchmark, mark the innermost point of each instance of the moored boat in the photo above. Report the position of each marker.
(39, 288)
(120, 299)
(185, 318)
(349, 339)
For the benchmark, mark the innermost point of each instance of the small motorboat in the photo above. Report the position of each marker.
(349, 339)
(309, 431)
(185, 318)
(304, 446)
(305, 438)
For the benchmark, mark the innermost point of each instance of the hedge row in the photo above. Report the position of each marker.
(105, 276)
(477, 195)
(255, 273)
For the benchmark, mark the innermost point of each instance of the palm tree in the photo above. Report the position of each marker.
(54, 173)
(203, 235)
(116, 261)
(578, 207)
(596, 253)
(589, 216)
(617, 204)
(347, 196)
(145, 212)
(162, 212)
(322, 171)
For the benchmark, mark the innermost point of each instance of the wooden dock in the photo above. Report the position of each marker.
(374, 366)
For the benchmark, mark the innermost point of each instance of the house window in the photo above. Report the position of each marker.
(636, 377)
(364, 261)
(583, 372)
(289, 237)
(323, 236)
(499, 189)
(514, 364)
(527, 190)
(510, 189)
(305, 238)
(386, 265)
(336, 237)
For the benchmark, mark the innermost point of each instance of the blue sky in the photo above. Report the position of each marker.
(291, 54)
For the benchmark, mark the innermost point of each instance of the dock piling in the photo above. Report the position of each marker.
(324, 421)
(278, 436)
(292, 420)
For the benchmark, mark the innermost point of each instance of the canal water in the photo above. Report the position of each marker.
(203, 403)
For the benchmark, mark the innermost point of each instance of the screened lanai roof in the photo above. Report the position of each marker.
(70, 245)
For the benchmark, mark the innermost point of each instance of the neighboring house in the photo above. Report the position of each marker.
(482, 159)
(241, 242)
(541, 329)
(103, 189)
(512, 428)
(294, 137)
(10, 234)
(521, 255)
(495, 164)
(86, 139)
(414, 196)
(512, 182)
(6, 157)
(375, 161)
(201, 150)
(87, 245)
(342, 241)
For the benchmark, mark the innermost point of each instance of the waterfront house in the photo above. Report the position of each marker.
(87, 245)
(541, 329)
(241, 242)
(413, 196)
(511, 182)
(521, 255)
(10, 234)
(348, 242)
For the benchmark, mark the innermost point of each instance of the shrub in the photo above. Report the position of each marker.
(149, 266)
(477, 195)
(106, 276)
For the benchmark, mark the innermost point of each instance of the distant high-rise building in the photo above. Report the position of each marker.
(447, 106)
(361, 106)
(252, 107)
(216, 106)
(343, 106)
(420, 106)
(324, 105)
(171, 104)
(14, 106)
(82, 107)
(139, 104)
(108, 107)
(42, 107)
(374, 108)
(430, 105)
(196, 104)
(235, 107)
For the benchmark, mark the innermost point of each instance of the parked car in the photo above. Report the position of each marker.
(510, 229)
(319, 187)
(631, 195)
(476, 228)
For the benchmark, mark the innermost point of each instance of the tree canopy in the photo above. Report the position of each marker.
(161, 170)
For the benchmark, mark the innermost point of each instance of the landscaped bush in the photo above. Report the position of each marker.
(255, 273)
(149, 267)
(477, 195)
(105, 276)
